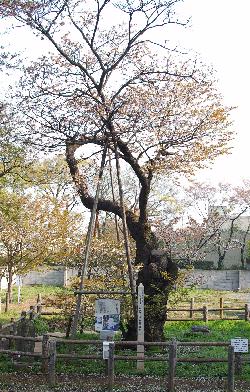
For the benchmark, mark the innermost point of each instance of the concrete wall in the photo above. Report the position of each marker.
(219, 280)
(53, 277)
(206, 279)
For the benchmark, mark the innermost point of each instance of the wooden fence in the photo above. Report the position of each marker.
(49, 356)
(243, 312)
(33, 312)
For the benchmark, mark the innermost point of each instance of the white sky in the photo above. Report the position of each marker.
(220, 32)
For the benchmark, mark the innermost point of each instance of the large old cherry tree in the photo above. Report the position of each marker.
(112, 77)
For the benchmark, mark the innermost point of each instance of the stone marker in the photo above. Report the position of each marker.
(200, 328)
(25, 328)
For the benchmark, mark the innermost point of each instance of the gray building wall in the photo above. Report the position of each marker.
(219, 280)
(54, 277)
(204, 279)
(60, 276)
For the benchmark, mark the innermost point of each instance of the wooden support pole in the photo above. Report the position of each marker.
(45, 353)
(111, 367)
(89, 237)
(52, 363)
(191, 308)
(221, 307)
(172, 365)
(205, 313)
(230, 372)
(246, 312)
(125, 233)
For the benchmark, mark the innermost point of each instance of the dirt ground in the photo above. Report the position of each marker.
(16, 382)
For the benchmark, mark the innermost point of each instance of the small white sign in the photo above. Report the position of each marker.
(105, 351)
(240, 345)
(18, 280)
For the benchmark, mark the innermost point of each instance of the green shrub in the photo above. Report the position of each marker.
(41, 326)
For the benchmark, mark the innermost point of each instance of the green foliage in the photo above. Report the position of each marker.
(34, 230)
(41, 326)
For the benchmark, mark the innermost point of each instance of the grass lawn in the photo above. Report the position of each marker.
(28, 297)
(220, 330)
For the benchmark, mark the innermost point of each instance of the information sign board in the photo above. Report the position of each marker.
(240, 345)
(107, 315)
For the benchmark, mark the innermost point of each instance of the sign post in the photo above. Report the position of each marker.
(140, 326)
(240, 346)
(19, 284)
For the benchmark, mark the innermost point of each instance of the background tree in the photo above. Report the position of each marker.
(13, 156)
(212, 221)
(34, 232)
(118, 84)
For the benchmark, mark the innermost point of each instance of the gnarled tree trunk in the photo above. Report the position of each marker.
(158, 276)
(158, 273)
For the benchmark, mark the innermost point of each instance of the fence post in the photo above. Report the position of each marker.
(39, 298)
(230, 374)
(45, 353)
(172, 365)
(7, 302)
(0, 303)
(246, 312)
(69, 324)
(221, 308)
(32, 310)
(12, 332)
(238, 363)
(23, 314)
(39, 304)
(205, 313)
(52, 363)
(191, 307)
(111, 366)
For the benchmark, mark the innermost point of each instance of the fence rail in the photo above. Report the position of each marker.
(221, 309)
(50, 355)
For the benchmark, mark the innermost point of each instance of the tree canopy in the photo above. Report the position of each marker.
(116, 82)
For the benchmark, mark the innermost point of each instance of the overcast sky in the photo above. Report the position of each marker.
(219, 31)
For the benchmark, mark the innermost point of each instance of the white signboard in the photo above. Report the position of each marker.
(105, 352)
(107, 315)
(240, 345)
